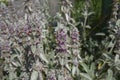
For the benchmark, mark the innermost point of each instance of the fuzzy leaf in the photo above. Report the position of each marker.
(88, 27)
(68, 67)
(42, 56)
(33, 48)
(60, 77)
(34, 75)
(86, 76)
(100, 34)
(74, 70)
(110, 74)
(85, 67)
(92, 70)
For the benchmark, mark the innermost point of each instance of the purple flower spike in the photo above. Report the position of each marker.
(5, 47)
(51, 75)
(61, 38)
(75, 35)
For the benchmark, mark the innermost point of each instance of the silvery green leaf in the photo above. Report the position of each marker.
(34, 75)
(67, 17)
(111, 44)
(107, 56)
(86, 68)
(43, 57)
(117, 51)
(110, 75)
(14, 64)
(33, 48)
(78, 71)
(74, 69)
(61, 61)
(82, 24)
(117, 59)
(92, 70)
(26, 16)
(87, 26)
(60, 77)
(112, 36)
(68, 67)
(100, 34)
(118, 22)
(117, 62)
(12, 75)
(40, 76)
(2, 5)
(85, 75)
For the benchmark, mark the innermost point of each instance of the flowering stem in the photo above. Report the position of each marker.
(84, 30)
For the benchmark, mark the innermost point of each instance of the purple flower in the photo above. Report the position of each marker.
(5, 46)
(74, 35)
(61, 35)
(75, 41)
(61, 38)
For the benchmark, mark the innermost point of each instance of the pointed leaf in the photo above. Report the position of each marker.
(110, 75)
(74, 70)
(100, 34)
(86, 76)
(86, 68)
(34, 75)
(42, 56)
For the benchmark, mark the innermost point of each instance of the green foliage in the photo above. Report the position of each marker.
(4, 2)
(94, 5)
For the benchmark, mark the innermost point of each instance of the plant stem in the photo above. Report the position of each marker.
(84, 30)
